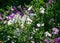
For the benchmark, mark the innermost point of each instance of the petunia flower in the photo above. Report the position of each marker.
(50, 1)
(55, 30)
(47, 34)
(1, 16)
(42, 10)
(57, 40)
(47, 40)
(10, 16)
(13, 8)
(19, 6)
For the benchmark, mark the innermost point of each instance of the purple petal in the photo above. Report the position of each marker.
(57, 40)
(0, 14)
(19, 6)
(15, 11)
(55, 29)
(47, 4)
(0, 18)
(50, 1)
(11, 16)
(18, 12)
(24, 9)
(13, 8)
(47, 41)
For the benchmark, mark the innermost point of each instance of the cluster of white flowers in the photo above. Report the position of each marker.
(42, 10)
(30, 8)
(16, 18)
(29, 21)
(39, 25)
(17, 32)
(47, 34)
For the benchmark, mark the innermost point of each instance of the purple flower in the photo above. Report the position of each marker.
(32, 42)
(20, 13)
(47, 4)
(55, 30)
(11, 16)
(19, 6)
(47, 40)
(24, 9)
(13, 8)
(57, 40)
(0, 13)
(50, 1)
(15, 11)
(1, 18)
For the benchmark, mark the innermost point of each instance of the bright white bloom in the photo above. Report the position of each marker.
(12, 42)
(32, 14)
(30, 8)
(31, 37)
(37, 29)
(28, 19)
(42, 10)
(23, 19)
(9, 22)
(48, 34)
(38, 25)
(42, 24)
(28, 22)
(5, 22)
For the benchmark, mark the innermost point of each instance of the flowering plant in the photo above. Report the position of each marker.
(36, 22)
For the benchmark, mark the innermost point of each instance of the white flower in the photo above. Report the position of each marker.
(32, 14)
(9, 22)
(5, 22)
(22, 25)
(17, 32)
(37, 29)
(24, 19)
(28, 22)
(38, 25)
(28, 19)
(12, 42)
(42, 10)
(30, 8)
(42, 24)
(48, 34)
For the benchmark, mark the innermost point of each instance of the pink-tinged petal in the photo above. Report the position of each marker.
(55, 33)
(55, 29)
(47, 4)
(1, 18)
(50, 1)
(19, 6)
(47, 41)
(11, 16)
